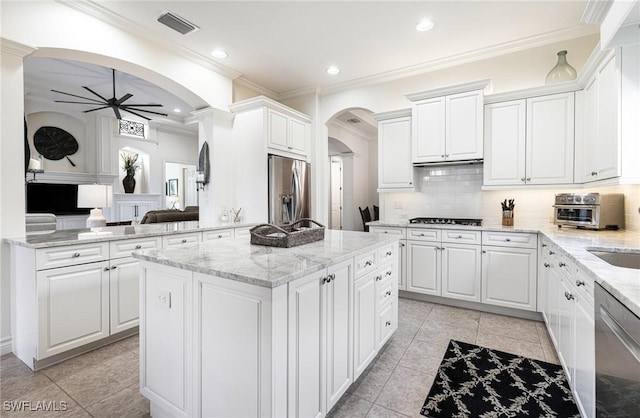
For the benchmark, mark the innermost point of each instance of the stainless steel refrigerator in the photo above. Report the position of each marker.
(289, 190)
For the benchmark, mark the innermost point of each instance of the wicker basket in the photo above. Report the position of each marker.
(286, 236)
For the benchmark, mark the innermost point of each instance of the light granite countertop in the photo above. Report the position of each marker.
(266, 266)
(622, 283)
(112, 233)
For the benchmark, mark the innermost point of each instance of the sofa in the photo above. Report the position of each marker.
(190, 213)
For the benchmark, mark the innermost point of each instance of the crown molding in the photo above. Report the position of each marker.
(566, 87)
(7, 46)
(446, 90)
(393, 114)
(209, 112)
(263, 101)
(257, 88)
(292, 94)
(595, 11)
(464, 58)
(92, 8)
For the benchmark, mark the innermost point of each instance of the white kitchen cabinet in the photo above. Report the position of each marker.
(402, 258)
(504, 146)
(424, 267)
(217, 234)
(395, 171)
(447, 128)
(461, 271)
(566, 340)
(181, 240)
(530, 141)
(364, 318)
(509, 277)
(550, 139)
(73, 307)
(585, 374)
(123, 294)
(286, 133)
(130, 206)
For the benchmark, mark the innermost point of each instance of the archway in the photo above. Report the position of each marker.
(352, 146)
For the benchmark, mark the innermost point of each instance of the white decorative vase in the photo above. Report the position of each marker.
(562, 71)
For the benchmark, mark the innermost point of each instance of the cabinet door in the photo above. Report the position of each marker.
(277, 130)
(298, 132)
(464, 126)
(424, 265)
(585, 374)
(73, 307)
(128, 211)
(395, 170)
(566, 343)
(123, 293)
(504, 147)
(608, 144)
(461, 271)
(364, 319)
(337, 301)
(553, 304)
(509, 277)
(587, 168)
(550, 139)
(428, 130)
(402, 266)
(304, 346)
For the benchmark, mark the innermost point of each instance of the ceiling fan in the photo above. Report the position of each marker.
(114, 103)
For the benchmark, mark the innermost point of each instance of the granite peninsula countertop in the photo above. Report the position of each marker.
(622, 283)
(267, 266)
(112, 233)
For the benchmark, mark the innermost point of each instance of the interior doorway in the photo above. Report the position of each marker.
(335, 198)
(180, 185)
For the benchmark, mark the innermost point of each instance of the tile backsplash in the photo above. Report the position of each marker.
(456, 192)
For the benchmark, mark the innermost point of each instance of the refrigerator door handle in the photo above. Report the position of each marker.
(296, 192)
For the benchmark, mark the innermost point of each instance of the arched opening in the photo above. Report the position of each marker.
(353, 164)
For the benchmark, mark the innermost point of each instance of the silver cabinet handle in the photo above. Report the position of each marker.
(410, 183)
(220, 236)
(378, 278)
(547, 265)
(528, 178)
(484, 251)
(568, 295)
(421, 234)
(551, 253)
(138, 246)
(388, 293)
(579, 283)
(114, 267)
(561, 264)
(446, 155)
(386, 232)
(289, 147)
(459, 237)
(389, 253)
(106, 269)
(544, 245)
(594, 173)
(184, 241)
(388, 323)
(368, 263)
(508, 239)
(442, 156)
(388, 273)
(401, 244)
(521, 178)
(76, 255)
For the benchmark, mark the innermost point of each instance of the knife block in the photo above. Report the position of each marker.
(507, 218)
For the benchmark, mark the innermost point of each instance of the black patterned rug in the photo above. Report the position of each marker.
(474, 381)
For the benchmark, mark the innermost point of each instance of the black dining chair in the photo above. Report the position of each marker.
(376, 213)
(366, 217)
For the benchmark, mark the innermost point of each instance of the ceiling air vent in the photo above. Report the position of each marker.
(353, 120)
(177, 23)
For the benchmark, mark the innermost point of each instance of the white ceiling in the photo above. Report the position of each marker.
(286, 46)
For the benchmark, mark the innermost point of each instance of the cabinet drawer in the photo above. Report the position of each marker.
(385, 290)
(387, 254)
(180, 239)
(386, 322)
(459, 236)
(124, 248)
(400, 232)
(242, 232)
(71, 255)
(387, 271)
(219, 234)
(511, 239)
(366, 263)
(584, 284)
(424, 234)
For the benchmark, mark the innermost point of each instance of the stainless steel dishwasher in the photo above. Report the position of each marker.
(617, 341)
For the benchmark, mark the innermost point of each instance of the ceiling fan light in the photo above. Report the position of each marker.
(424, 25)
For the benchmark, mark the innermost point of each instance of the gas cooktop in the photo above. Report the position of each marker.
(446, 221)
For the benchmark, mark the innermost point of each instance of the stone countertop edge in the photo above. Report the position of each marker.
(622, 283)
(166, 258)
(64, 237)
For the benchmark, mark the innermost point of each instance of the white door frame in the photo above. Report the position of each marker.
(335, 191)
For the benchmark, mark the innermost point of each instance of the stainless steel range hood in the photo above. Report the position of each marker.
(449, 163)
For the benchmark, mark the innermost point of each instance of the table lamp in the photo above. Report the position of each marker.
(96, 196)
(174, 199)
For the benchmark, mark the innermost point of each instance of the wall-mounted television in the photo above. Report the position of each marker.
(59, 199)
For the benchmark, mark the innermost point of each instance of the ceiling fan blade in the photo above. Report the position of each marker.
(127, 108)
(117, 112)
(93, 110)
(87, 88)
(137, 114)
(113, 78)
(66, 101)
(75, 95)
(143, 105)
(124, 98)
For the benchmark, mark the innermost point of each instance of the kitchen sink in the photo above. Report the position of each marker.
(628, 260)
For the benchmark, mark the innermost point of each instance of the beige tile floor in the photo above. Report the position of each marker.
(104, 382)
(398, 381)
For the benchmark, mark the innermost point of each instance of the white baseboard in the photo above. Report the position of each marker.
(5, 346)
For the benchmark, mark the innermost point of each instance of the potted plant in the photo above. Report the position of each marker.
(130, 165)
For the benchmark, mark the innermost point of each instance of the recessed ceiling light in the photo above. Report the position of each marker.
(177, 110)
(424, 25)
(218, 53)
(333, 70)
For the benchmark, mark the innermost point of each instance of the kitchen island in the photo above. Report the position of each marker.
(233, 329)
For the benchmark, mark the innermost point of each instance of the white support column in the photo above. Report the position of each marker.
(12, 178)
